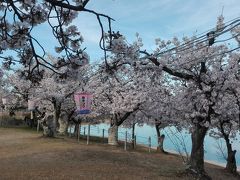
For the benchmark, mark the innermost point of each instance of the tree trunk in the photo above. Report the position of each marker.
(116, 120)
(76, 129)
(160, 143)
(48, 126)
(133, 135)
(231, 165)
(32, 119)
(63, 124)
(197, 153)
(113, 135)
(57, 112)
(160, 138)
(231, 160)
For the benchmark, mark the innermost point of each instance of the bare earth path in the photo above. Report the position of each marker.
(26, 155)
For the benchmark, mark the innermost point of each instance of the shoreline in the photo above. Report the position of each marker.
(205, 160)
(174, 152)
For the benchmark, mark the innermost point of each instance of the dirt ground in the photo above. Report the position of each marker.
(26, 155)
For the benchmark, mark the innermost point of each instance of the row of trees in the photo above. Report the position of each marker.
(191, 83)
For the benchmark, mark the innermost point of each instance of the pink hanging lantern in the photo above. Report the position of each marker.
(83, 102)
(31, 105)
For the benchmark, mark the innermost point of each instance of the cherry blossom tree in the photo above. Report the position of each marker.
(156, 111)
(227, 112)
(3, 87)
(55, 93)
(197, 62)
(201, 67)
(205, 67)
(19, 86)
(114, 98)
(118, 90)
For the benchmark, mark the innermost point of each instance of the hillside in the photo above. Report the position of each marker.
(24, 154)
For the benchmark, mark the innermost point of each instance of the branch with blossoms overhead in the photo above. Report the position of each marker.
(179, 58)
(18, 45)
(195, 69)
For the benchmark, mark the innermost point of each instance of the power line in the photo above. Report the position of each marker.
(212, 56)
(205, 46)
(203, 38)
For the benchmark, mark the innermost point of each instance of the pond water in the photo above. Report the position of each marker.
(175, 141)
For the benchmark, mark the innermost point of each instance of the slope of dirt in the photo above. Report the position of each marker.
(24, 154)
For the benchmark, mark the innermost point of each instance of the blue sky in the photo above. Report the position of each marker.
(151, 19)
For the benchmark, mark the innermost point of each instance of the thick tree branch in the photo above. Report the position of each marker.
(68, 6)
(167, 69)
(127, 114)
